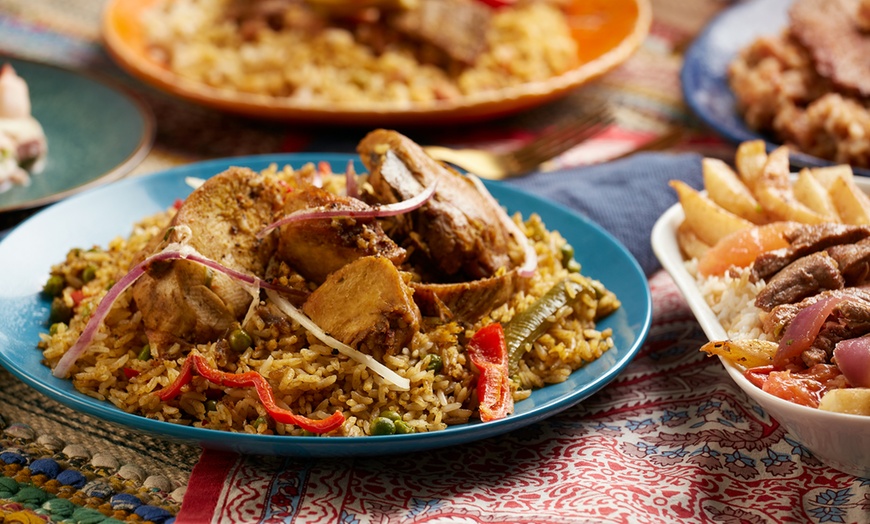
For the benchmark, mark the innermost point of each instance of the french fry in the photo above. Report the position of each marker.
(852, 204)
(725, 188)
(775, 194)
(690, 244)
(748, 353)
(708, 221)
(750, 160)
(827, 175)
(852, 400)
(811, 193)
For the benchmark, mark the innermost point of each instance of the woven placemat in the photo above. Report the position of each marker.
(60, 465)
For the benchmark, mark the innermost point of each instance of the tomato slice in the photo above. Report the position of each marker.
(805, 387)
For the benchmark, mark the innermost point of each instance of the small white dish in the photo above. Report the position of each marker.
(839, 440)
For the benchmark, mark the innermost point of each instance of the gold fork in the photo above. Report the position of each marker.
(549, 144)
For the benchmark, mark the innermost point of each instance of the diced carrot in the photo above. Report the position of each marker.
(742, 247)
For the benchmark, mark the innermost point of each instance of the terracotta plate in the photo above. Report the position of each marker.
(607, 33)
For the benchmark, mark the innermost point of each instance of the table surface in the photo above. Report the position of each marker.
(633, 452)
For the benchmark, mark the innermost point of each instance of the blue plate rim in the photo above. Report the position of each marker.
(136, 156)
(692, 59)
(328, 446)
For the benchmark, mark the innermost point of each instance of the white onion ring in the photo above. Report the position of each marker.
(367, 360)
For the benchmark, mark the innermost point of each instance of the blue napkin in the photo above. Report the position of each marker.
(625, 197)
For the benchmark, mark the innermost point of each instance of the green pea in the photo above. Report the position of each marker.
(306, 433)
(89, 273)
(573, 266)
(211, 405)
(240, 340)
(54, 328)
(53, 286)
(567, 252)
(402, 427)
(382, 426)
(390, 414)
(435, 363)
(60, 312)
(145, 353)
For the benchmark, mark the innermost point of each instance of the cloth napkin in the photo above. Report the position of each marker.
(625, 197)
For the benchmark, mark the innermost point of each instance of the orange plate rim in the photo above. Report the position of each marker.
(133, 59)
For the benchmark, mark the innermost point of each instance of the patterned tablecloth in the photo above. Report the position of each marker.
(672, 439)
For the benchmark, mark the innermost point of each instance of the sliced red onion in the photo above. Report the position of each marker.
(375, 212)
(853, 358)
(173, 251)
(530, 256)
(367, 360)
(803, 329)
(351, 187)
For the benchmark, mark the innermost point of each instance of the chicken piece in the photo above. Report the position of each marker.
(366, 304)
(188, 301)
(460, 231)
(464, 301)
(316, 248)
(456, 27)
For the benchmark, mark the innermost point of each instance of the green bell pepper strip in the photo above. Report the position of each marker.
(528, 325)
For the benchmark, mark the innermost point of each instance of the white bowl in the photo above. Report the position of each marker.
(839, 440)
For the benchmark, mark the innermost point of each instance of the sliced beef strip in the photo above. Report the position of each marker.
(316, 248)
(775, 322)
(803, 240)
(853, 261)
(804, 277)
(367, 304)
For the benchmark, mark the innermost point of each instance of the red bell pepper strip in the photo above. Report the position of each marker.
(488, 352)
(498, 3)
(172, 390)
(264, 391)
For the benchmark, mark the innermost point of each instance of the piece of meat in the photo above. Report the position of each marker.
(778, 319)
(803, 240)
(316, 248)
(831, 31)
(853, 261)
(185, 299)
(458, 231)
(463, 301)
(366, 304)
(804, 277)
(456, 27)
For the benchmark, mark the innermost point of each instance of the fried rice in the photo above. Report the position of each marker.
(196, 40)
(307, 376)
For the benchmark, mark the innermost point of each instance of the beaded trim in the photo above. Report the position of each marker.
(47, 480)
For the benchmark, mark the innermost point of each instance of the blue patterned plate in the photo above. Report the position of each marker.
(704, 73)
(97, 216)
(96, 133)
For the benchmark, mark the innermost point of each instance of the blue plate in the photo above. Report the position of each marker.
(95, 217)
(704, 75)
(95, 131)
